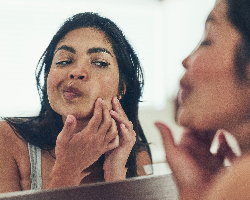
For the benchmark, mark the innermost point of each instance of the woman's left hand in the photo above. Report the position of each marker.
(116, 159)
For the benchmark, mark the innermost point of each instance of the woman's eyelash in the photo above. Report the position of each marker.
(205, 42)
(101, 64)
(64, 62)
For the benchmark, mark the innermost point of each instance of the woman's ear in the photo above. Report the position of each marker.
(123, 91)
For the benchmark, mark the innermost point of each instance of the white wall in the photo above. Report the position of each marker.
(163, 33)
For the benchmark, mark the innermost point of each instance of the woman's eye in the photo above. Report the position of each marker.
(64, 63)
(101, 64)
(205, 42)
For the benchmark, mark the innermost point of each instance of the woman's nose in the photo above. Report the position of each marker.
(76, 76)
(80, 72)
(185, 62)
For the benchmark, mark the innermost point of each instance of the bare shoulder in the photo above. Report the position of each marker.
(142, 159)
(9, 137)
(4, 127)
(6, 133)
(13, 152)
(233, 183)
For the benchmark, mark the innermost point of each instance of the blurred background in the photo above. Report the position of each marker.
(162, 32)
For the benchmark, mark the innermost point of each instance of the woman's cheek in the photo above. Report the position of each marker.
(200, 70)
(109, 90)
(52, 82)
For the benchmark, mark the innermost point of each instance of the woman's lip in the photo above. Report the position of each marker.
(70, 93)
(183, 92)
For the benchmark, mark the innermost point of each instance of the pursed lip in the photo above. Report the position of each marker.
(183, 92)
(70, 92)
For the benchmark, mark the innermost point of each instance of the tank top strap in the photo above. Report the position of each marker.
(35, 167)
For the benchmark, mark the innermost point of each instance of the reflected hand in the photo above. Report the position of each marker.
(193, 165)
(116, 159)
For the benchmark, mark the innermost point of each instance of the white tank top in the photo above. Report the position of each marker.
(35, 167)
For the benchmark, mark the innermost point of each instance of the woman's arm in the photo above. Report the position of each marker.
(9, 173)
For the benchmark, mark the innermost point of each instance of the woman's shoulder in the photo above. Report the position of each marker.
(142, 159)
(14, 160)
(10, 138)
(6, 131)
(234, 183)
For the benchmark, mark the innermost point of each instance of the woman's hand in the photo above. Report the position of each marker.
(76, 152)
(115, 160)
(193, 165)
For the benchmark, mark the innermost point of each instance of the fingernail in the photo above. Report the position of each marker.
(116, 100)
(157, 124)
(103, 102)
(122, 126)
(69, 119)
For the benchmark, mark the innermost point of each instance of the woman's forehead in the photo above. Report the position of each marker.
(91, 36)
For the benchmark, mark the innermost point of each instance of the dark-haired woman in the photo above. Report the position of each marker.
(89, 80)
(215, 94)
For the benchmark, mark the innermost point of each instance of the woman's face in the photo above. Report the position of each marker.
(84, 68)
(210, 95)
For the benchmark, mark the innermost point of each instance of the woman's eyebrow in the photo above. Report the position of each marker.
(66, 48)
(98, 50)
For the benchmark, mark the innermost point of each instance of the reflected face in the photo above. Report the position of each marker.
(210, 95)
(83, 69)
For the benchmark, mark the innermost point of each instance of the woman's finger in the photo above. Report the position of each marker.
(168, 140)
(106, 122)
(127, 135)
(119, 115)
(112, 133)
(114, 143)
(117, 106)
(96, 120)
(66, 134)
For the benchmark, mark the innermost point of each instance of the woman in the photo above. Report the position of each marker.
(89, 80)
(214, 94)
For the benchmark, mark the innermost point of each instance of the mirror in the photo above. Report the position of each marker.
(162, 32)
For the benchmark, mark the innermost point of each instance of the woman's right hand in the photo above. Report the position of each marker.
(194, 167)
(77, 151)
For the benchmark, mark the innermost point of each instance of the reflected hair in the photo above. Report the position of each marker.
(239, 15)
(42, 130)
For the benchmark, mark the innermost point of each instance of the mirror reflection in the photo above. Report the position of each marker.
(90, 81)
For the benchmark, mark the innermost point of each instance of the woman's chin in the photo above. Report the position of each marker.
(185, 119)
(181, 117)
(78, 114)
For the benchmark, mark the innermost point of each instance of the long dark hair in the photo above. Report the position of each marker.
(42, 130)
(239, 15)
